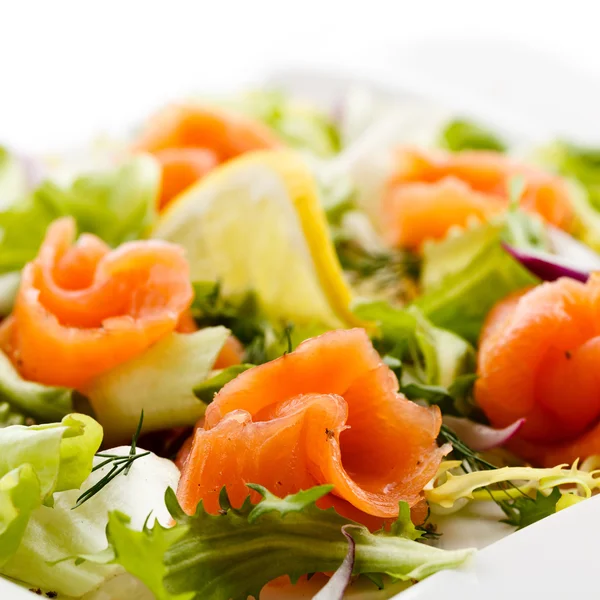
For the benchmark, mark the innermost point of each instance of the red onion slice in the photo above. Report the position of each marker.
(336, 586)
(548, 267)
(571, 258)
(573, 251)
(481, 437)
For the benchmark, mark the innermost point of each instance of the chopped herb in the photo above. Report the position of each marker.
(392, 273)
(287, 337)
(520, 510)
(524, 510)
(120, 464)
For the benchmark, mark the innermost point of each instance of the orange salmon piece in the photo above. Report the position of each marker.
(329, 412)
(82, 309)
(538, 359)
(189, 140)
(423, 211)
(180, 168)
(431, 192)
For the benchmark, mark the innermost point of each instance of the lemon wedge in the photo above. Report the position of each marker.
(256, 225)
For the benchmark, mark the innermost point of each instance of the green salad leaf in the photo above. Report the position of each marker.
(9, 287)
(40, 402)
(580, 166)
(54, 534)
(577, 162)
(160, 382)
(463, 277)
(118, 206)
(461, 134)
(428, 355)
(450, 490)
(9, 416)
(35, 463)
(299, 124)
(233, 555)
(207, 389)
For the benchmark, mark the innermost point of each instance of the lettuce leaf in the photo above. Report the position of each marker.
(9, 416)
(428, 354)
(461, 135)
(577, 162)
(40, 402)
(161, 382)
(35, 463)
(55, 534)
(233, 555)
(207, 389)
(451, 491)
(300, 125)
(9, 287)
(464, 276)
(118, 206)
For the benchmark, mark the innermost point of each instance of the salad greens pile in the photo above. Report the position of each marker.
(79, 513)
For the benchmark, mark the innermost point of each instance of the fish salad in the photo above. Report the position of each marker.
(258, 347)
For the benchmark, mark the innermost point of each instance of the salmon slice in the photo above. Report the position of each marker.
(538, 359)
(189, 140)
(329, 412)
(82, 309)
(429, 193)
(423, 211)
(180, 168)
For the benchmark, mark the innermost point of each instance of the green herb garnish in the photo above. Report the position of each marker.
(521, 509)
(120, 464)
(524, 510)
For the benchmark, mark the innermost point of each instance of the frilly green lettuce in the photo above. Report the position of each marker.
(35, 463)
(234, 554)
(161, 382)
(451, 491)
(117, 205)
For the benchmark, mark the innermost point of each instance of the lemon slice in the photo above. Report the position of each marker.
(256, 224)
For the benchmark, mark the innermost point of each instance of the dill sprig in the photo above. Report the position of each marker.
(520, 510)
(120, 464)
(286, 336)
(463, 452)
(476, 463)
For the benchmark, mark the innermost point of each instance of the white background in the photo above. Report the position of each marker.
(72, 68)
